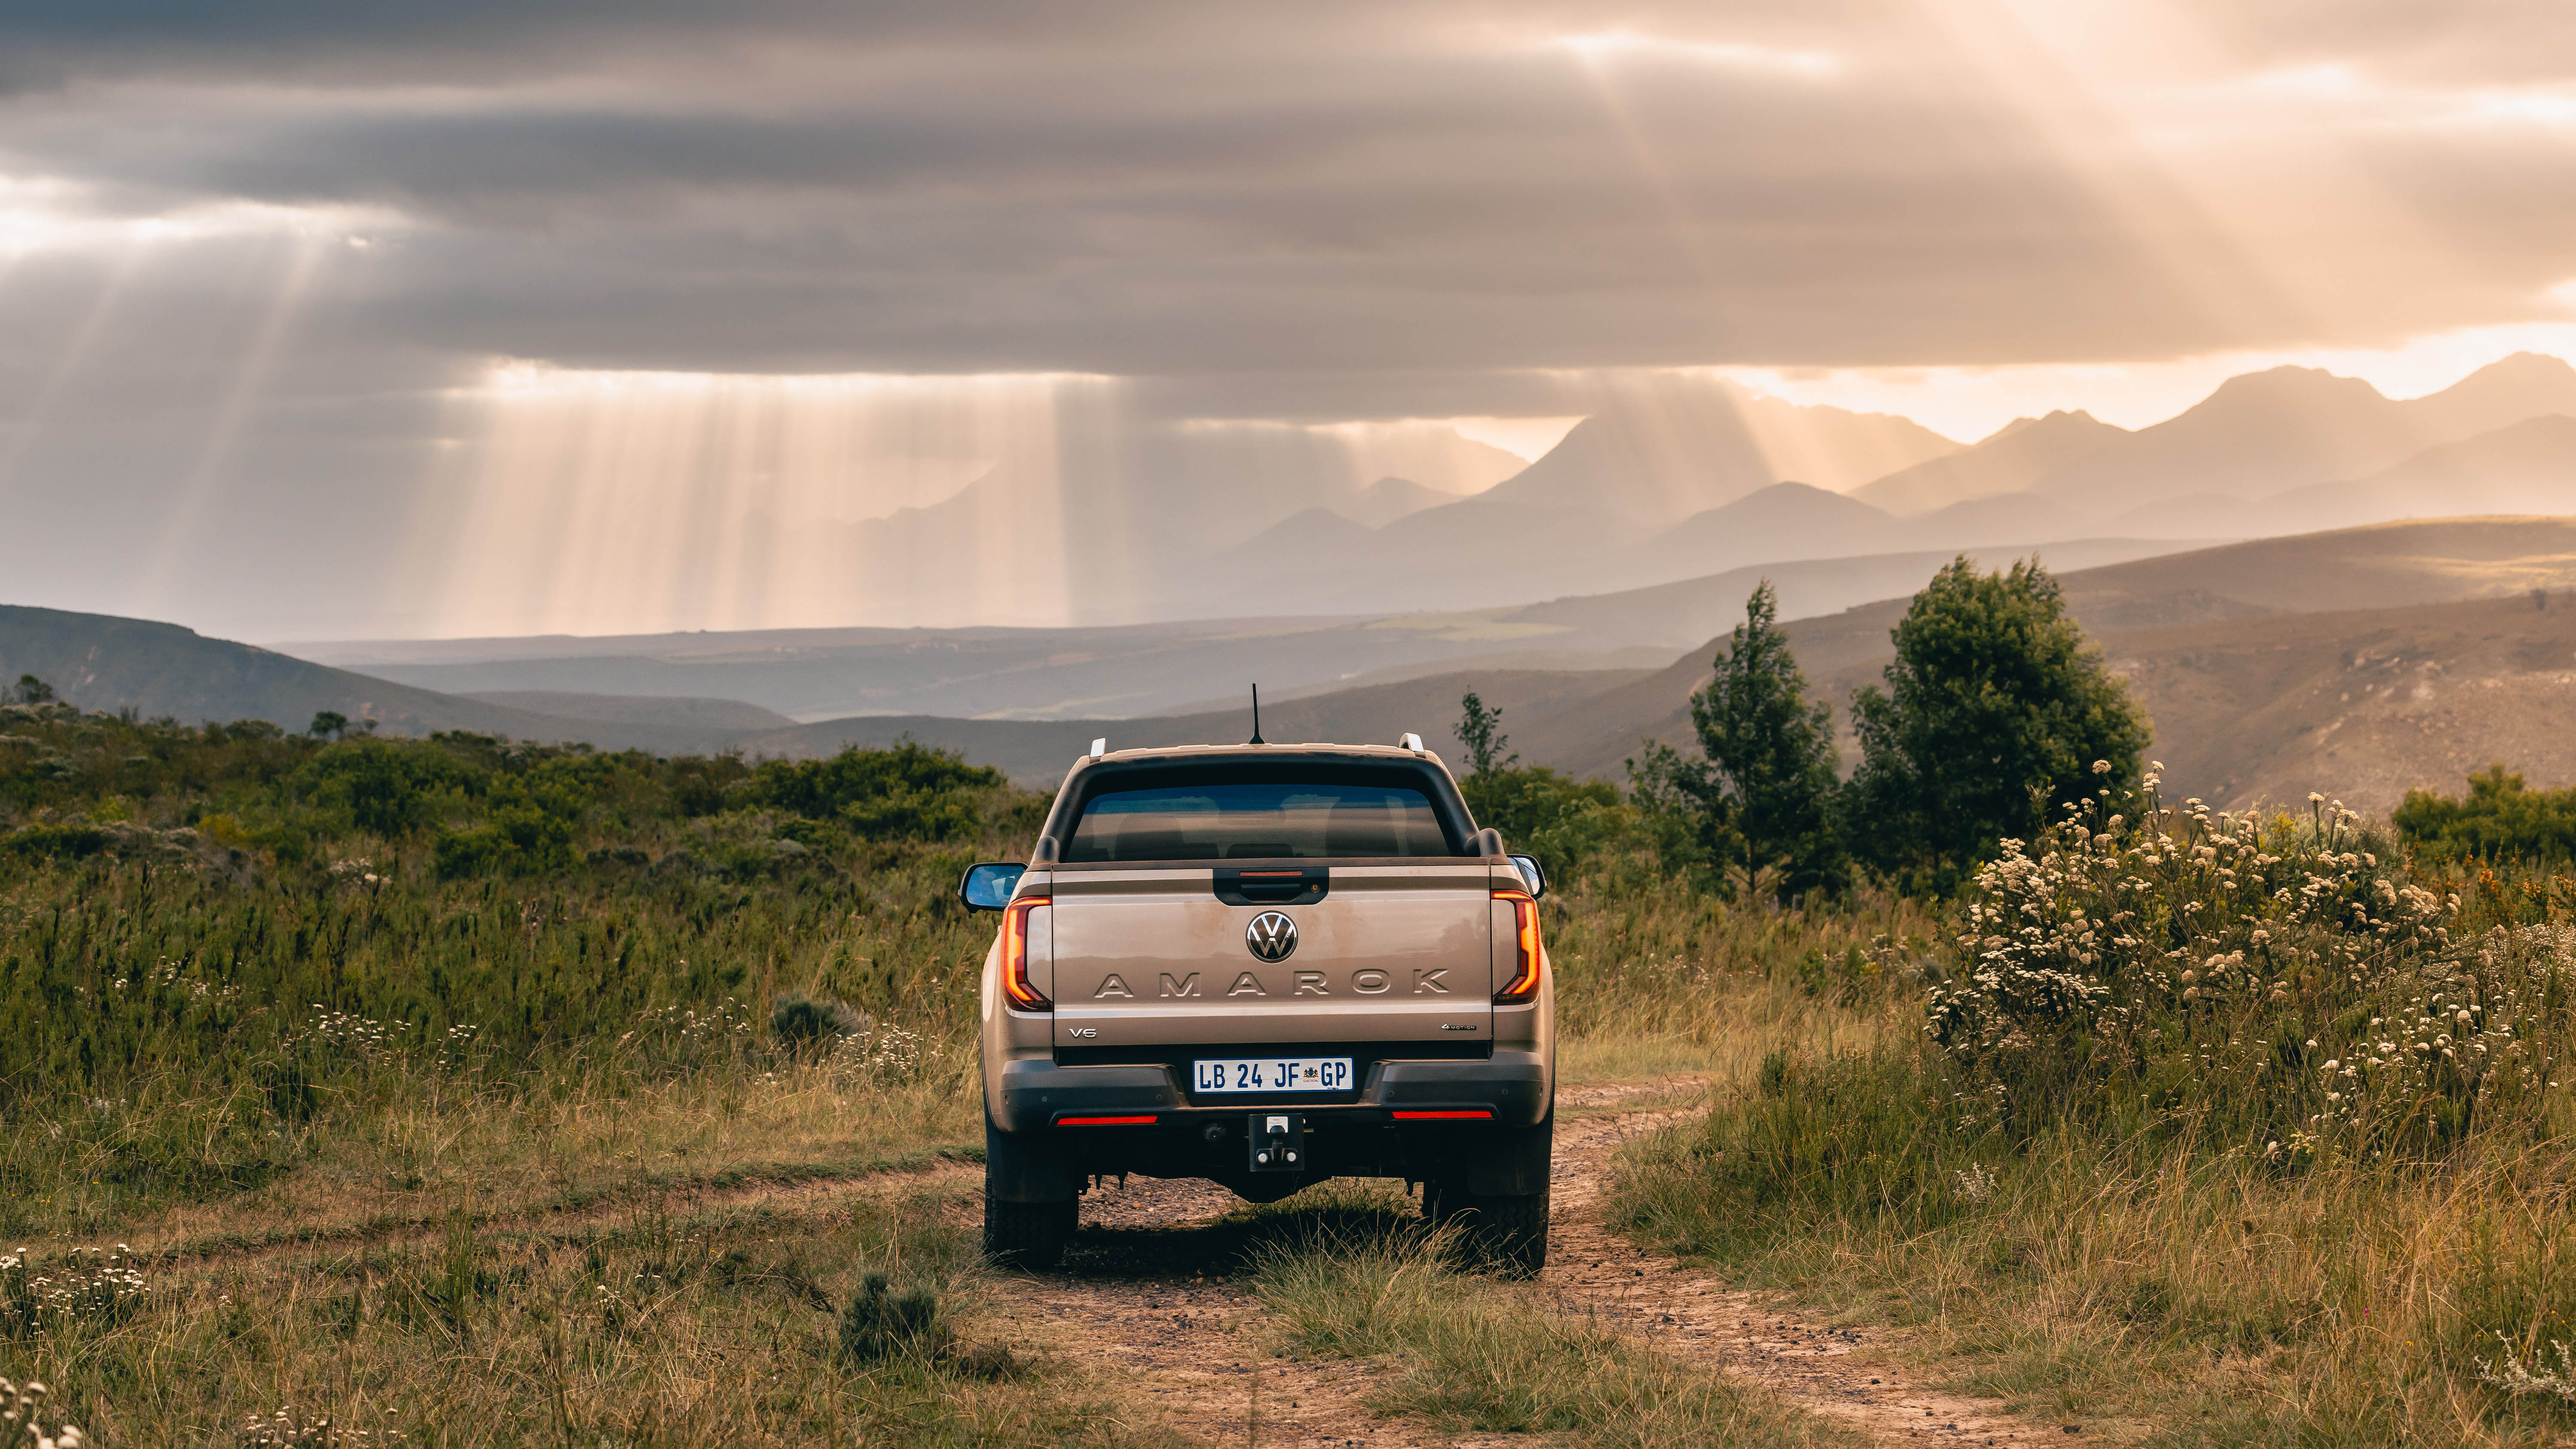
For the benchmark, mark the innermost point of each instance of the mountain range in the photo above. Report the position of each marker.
(1679, 488)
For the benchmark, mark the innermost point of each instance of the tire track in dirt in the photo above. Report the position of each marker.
(1148, 1308)
(622, 1204)
(1847, 1374)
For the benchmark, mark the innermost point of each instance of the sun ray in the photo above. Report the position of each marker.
(192, 502)
(69, 357)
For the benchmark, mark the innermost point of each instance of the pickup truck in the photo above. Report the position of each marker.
(1266, 965)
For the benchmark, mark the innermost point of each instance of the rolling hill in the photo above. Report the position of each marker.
(2204, 595)
(2362, 705)
(2525, 467)
(2360, 661)
(102, 662)
(1147, 669)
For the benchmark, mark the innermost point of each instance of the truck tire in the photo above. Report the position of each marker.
(1030, 1235)
(1506, 1235)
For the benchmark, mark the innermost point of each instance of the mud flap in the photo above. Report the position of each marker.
(1019, 1170)
(1513, 1163)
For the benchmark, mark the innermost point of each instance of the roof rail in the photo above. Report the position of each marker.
(1410, 741)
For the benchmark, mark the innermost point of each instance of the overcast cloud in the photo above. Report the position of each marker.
(250, 255)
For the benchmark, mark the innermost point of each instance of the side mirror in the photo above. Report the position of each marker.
(1531, 876)
(988, 887)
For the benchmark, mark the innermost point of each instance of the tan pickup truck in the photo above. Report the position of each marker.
(1266, 965)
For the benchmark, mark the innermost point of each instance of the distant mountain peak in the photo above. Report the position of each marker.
(2289, 381)
(2058, 420)
(2538, 365)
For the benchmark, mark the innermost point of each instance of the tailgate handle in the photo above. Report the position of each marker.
(1272, 886)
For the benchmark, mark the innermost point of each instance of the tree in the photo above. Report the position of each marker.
(1563, 822)
(31, 690)
(328, 722)
(1764, 787)
(1997, 715)
(1479, 729)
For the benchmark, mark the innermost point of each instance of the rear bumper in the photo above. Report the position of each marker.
(1514, 1087)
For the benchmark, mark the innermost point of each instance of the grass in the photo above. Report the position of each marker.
(1474, 1355)
(392, 1124)
(2169, 1264)
(477, 1156)
(647, 1328)
(2206, 1298)
(464, 1144)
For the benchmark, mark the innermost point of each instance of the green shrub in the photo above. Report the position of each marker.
(881, 1324)
(1563, 822)
(802, 1023)
(2497, 820)
(44, 841)
(905, 813)
(516, 840)
(909, 792)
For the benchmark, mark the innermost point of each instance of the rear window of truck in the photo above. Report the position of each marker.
(1258, 821)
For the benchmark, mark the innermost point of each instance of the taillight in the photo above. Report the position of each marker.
(1525, 974)
(1015, 956)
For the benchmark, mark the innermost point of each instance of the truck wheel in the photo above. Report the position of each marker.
(1029, 1235)
(1018, 1232)
(1507, 1235)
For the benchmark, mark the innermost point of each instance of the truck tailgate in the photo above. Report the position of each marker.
(1152, 956)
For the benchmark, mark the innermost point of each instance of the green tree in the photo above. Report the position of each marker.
(328, 722)
(1764, 786)
(31, 690)
(1480, 730)
(1563, 822)
(1998, 713)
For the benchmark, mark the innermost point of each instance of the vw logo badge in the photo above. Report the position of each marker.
(1271, 936)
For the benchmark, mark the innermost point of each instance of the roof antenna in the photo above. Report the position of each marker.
(1256, 718)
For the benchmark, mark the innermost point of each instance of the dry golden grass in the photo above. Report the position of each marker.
(2159, 1265)
(639, 1328)
(1474, 1355)
(582, 1144)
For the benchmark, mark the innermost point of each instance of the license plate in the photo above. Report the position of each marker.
(1273, 1074)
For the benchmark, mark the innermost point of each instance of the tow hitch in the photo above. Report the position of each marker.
(1278, 1141)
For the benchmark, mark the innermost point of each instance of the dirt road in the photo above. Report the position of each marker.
(1147, 1299)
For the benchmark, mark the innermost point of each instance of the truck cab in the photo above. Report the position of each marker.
(1266, 965)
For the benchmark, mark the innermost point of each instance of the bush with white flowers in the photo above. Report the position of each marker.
(2271, 977)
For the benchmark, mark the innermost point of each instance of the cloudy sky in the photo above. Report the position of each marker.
(275, 276)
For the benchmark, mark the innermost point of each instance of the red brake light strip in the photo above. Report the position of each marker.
(1478, 1114)
(1145, 1121)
